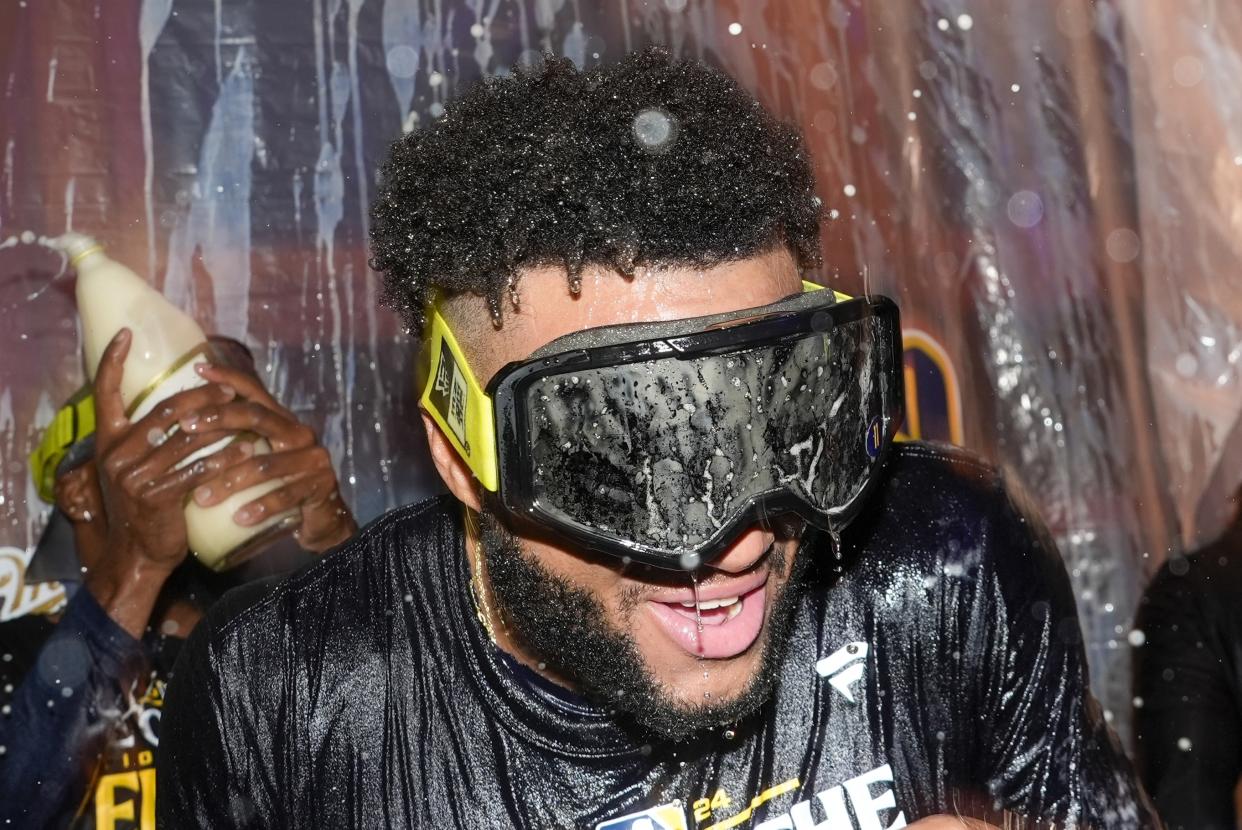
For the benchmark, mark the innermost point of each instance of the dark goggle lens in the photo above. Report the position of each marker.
(668, 452)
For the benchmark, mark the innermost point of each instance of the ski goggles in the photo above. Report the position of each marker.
(661, 442)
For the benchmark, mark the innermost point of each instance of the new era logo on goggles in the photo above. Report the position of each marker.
(661, 442)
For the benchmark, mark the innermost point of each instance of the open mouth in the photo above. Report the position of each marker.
(720, 627)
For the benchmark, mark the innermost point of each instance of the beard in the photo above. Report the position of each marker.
(565, 627)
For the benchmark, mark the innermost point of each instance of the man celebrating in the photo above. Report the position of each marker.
(683, 578)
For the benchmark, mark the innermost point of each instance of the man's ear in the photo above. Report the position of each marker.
(452, 468)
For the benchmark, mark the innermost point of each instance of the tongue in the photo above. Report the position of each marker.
(722, 634)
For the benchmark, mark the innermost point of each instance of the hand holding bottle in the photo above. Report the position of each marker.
(297, 459)
(168, 346)
(145, 483)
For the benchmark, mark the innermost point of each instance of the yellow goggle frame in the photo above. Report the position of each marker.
(459, 405)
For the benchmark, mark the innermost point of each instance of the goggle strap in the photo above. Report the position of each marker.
(457, 403)
(71, 423)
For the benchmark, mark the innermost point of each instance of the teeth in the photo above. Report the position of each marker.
(710, 604)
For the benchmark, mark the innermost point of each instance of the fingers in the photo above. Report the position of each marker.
(309, 489)
(288, 465)
(177, 484)
(184, 404)
(165, 458)
(76, 493)
(245, 383)
(139, 442)
(325, 525)
(280, 428)
(109, 408)
(71, 484)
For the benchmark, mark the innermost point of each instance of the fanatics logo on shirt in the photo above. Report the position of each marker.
(844, 667)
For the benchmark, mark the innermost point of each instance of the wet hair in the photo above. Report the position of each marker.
(646, 162)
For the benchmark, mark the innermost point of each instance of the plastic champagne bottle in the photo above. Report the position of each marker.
(167, 344)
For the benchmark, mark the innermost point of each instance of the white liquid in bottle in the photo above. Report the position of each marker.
(167, 344)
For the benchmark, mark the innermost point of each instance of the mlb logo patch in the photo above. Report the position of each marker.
(664, 817)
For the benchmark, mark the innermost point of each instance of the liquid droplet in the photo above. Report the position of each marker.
(698, 616)
(834, 542)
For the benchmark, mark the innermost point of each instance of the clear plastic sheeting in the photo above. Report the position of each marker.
(1048, 190)
(1005, 168)
(1188, 159)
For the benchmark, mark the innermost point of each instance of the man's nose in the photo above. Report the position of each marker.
(745, 551)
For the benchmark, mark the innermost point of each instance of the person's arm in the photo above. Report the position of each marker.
(144, 483)
(1045, 750)
(1189, 738)
(59, 713)
(65, 706)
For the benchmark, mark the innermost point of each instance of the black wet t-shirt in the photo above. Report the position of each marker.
(941, 669)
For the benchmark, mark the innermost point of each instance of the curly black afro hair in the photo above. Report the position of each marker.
(649, 161)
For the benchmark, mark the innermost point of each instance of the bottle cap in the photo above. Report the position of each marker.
(76, 246)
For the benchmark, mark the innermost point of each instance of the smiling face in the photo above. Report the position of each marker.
(625, 633)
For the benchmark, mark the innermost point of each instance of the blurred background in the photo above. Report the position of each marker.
(1050, 190)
